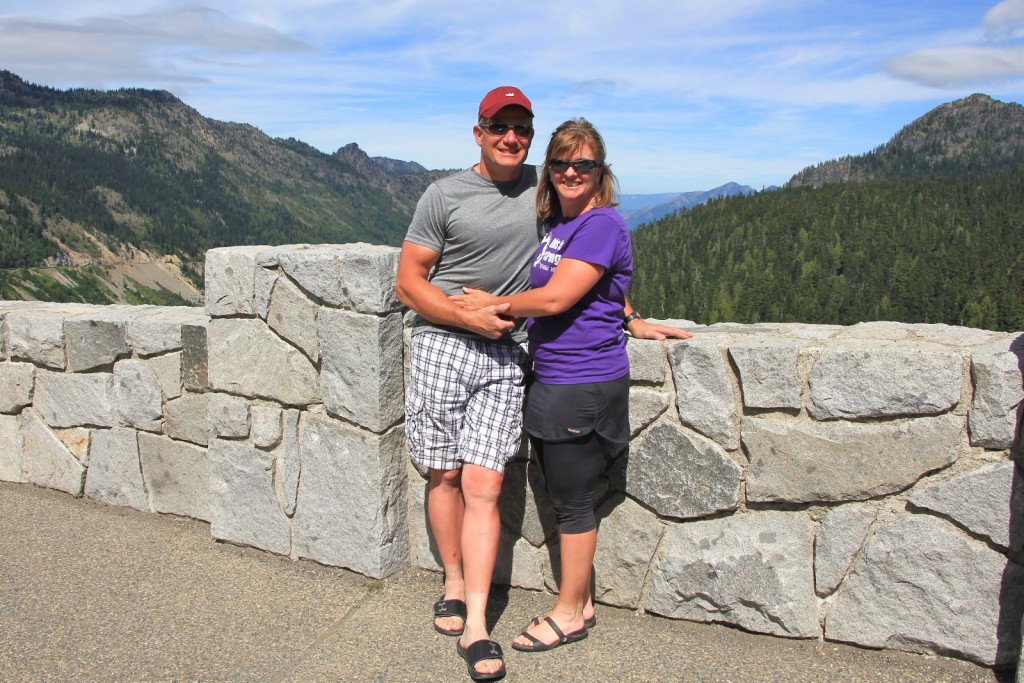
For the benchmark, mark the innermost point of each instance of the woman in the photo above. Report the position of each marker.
(577, 410)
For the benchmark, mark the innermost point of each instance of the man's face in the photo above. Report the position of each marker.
(502, 156)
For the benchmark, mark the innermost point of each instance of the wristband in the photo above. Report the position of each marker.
(630, 318)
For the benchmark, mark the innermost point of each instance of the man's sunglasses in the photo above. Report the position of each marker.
(579, 165)
(522, 130)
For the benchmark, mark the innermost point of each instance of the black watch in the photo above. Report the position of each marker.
(630, 318)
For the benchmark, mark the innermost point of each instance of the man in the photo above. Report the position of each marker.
(477, 228)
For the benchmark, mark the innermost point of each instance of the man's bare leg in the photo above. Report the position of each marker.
(481, 533)
(446, 509)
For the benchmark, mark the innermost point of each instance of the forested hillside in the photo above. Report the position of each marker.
(88, 177)
(934, 238)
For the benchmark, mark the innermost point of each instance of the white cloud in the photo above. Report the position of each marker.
(993, 55)
(1006, 19)
(949, 66)
(160, 47)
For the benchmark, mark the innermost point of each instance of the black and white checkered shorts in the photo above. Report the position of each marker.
(464, 403)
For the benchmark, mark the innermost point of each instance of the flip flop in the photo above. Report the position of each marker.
(537, 645)
(479, 651)
(450, 608)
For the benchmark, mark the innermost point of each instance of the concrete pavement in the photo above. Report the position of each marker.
(90, 592)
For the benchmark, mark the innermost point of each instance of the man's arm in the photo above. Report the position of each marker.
(641, 329)
(415, 291)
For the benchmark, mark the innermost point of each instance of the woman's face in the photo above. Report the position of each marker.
(575, 187)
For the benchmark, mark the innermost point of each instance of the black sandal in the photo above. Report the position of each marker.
(537, 645)
(589, 623)
(480, 651)
(450, 608)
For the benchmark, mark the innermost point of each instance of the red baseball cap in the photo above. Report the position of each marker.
(501, 97)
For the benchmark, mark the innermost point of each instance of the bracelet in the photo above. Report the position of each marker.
(630, 318)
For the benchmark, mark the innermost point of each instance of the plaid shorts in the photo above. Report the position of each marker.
(464, 403)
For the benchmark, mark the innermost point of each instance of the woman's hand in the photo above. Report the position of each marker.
(641, 329)
(472, 299)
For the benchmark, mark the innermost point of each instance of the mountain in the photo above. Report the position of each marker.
(94, 181)
(971, 135)
(116, 196)
(644, 208)
(927, 228)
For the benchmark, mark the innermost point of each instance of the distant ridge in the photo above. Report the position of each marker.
(638, 209)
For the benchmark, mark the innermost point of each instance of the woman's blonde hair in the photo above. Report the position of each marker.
(565, 140)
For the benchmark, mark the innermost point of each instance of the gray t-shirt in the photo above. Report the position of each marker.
(485, 232)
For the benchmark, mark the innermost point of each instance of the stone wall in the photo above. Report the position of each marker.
(307, 452)
(849, 483)
(106, 401)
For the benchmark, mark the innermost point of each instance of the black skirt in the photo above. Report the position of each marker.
(563, 412)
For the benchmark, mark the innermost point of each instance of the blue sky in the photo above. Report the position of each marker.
(689, 94)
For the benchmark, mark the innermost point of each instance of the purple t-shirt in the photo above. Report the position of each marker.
(586, 342)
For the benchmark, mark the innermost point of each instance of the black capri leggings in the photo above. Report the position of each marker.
(572, 428)
(571, 472)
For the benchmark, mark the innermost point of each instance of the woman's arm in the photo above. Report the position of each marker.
(570, 281)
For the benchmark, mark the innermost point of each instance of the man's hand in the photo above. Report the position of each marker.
(479, 315)
(641, 329)
(415, 291)
(472, 298)
(488, 321)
